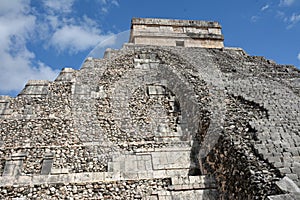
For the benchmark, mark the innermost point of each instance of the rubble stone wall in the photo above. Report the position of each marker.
(155, 123)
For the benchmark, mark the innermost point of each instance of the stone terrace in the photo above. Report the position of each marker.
(149, 122)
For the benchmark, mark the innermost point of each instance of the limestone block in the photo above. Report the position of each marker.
(59, 171)
(80, 89)
(159, 174)
(285, 170)
(19, 198)
(152, 197)
(66, 74)
(112, 176)
(98, 176)
(286, 184)
(145, 175)
(83, 177)
(47, 164)
(281, 197)
(7, 180)
(177, 172)
(100, 94)
(179, 180)
(191, 195)
(131, 165)
(9, 168)
(129, 175)
(148, 165)
(171, 160)
(156, 90)
(13, 166)
(39, 179)
(195, 179)
(88, 63)
(64, 178)
(36, 87)
(4, 106)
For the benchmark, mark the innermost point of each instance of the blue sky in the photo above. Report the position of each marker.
(40, 37)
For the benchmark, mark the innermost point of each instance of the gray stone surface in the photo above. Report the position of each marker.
(184, 33)
(150, 122)
(287, 185)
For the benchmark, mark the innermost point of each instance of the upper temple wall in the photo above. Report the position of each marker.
(166, 32)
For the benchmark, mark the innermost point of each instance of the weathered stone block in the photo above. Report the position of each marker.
(171, 160)
(286, 184)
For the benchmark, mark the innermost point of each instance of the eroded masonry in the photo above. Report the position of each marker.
(172, 115)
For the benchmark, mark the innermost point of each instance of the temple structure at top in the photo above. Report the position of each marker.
(166, 32)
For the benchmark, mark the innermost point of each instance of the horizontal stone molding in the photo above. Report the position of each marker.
(183, 33)
(174, 22)
(38, 82)
(5, 181)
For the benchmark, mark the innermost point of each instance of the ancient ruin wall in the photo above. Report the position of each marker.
(185, 33)
(156, 123)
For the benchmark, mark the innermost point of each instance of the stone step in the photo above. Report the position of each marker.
(192, 183)
(36, 88)
(207, 194)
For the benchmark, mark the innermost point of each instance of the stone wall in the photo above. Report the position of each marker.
(272, 88)
(240, 170)
(187, 33)
(155, 123)
(87, 127)
(87, 190)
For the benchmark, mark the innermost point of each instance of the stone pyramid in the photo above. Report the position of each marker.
(172, 115)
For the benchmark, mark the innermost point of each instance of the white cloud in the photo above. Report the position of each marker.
(254, 19)
(54, 24)
(67, 32)
(13, 7)
(53, 21)
(77, 35)
(64, 6)
(17, 70)
(265, 7)
(17, 26)
(103, 2)
(281, 15)
(104, 10)
(286, 2)
(115, 2)
(293, 20)
(107, 4)
(298, 57)
(76, 38)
